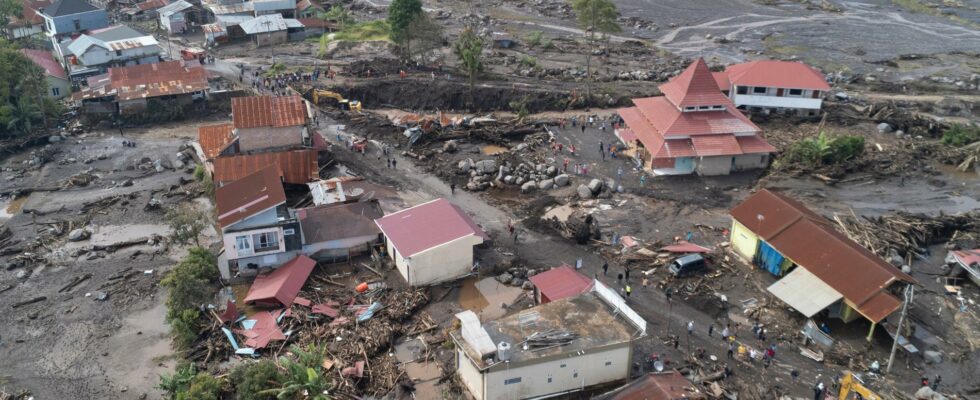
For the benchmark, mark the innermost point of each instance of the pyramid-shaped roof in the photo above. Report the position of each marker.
(696, 86)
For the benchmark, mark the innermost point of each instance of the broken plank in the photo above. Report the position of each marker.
(31, 301)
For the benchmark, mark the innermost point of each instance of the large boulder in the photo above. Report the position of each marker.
(529, 186)
(509, 179)
(505, 278)
(584, 192)
(595, 186)
(551, 171)
(486, 166)
(546, 184)
(450, 146)
(465, 165)
(79, 234)
(562, 180)
(926, 393)
(884, 127)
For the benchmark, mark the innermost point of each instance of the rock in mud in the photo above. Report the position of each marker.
(562, 180)
(486, 166)
(527, 285)
(884, 128)
(450, 146)
(465, 165)
(932, 357)
(79, 234)
(595, 186)
(509, 179)
(529, 186)
(551, 171)
(546, 184)
(584, 192)
(505, 278)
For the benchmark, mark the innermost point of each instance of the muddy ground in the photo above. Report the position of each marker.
(72, 345)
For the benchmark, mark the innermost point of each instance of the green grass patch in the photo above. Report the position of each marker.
(377, 30)
(960, 135)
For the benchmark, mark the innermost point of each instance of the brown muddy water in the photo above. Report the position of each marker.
(486, 296)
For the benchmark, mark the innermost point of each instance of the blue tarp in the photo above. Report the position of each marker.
(770, 259)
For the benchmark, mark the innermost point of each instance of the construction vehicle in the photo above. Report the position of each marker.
(344, 104)
(851, 389)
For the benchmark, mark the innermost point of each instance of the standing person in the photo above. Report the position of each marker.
(627, 274)
(605, 268)
(818, 391)
(711, 329)
(583, 128)
(564, 166)
(394, 163)
(585, 169)
(935, 382)
(619, 278)
(389, 163)
(629, 290)
(725, 333)
(794, 374)
(452, 189)
(571, 149)
(690, 328)
(645, 282)
(731, 350)
(643, 179)
(591, 121)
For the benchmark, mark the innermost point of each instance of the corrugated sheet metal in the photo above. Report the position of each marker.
(159, 79)
(694, 87)
(427, 225)
(754, 144)
(341, 221)
(282, 285)
(777, 74)
(258, 111)
(214, 138)
(561, 282)
(804, 292)
(298, 166)
(249, 195)
(716, 145)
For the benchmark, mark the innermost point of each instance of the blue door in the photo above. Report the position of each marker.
(684, 163)
(770, 259)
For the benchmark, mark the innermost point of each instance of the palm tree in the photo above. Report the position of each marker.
(23, 115)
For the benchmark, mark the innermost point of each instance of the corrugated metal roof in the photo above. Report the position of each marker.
(339, 221)
(660, 386)
(804, 292)
(173, 8)
(561, 282)
(754, 144)
(808, 240)
(224, 9)
(69, 7)
(158, 79)
(249, 195)
(257, 111)
(694, 87)
(670, 121)
(46, 61)
(213, 28)
(685, 247)
(416, 229)
(282, 285)
(263, 24)
(674, 148)
(721, 79)
(151, 5)
(298, 166)
(716, 145)
(777, 74)
(29, 14)
(214, 138)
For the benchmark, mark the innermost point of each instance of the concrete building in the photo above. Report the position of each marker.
(136, 88)
(823, 271)
(692, 128)
(29, 23)
(431, 242)
(267, 123)
(68, 17)
(270, 29)
(173, 16)
(774, 86)
(551, 349)
(95, 52)
(339, 231)
(58, 84)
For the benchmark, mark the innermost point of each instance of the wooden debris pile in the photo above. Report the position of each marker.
(910, 234)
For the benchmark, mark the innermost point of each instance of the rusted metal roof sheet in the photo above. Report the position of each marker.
(811, 242)
(256, 111)
(716, 145)
(249, 195)
(341, 221)
(214, 138)
(298, 166)
(151, 4)
(160, 79)
(660, 386)
(560, 282)
(282, 285)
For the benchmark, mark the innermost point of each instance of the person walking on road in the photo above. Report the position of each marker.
(605, 268)
(690, 328)
(731, 350)
(629, 290)
(452, 189)
(711, 329)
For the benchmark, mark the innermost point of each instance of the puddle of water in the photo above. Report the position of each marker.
(423, 371)
(10, 208)
(561, 212)
(492, 149)
(485, 297)
(427, 390)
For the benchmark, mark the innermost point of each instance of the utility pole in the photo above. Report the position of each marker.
(909, 294)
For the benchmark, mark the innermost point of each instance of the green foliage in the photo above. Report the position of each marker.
(191, 284)
(824, 150)
(179, 381)
(596, 15)
(275, 69)
(199, 172)
(424, 37)
(251, 380)
(520, 107)
(23, 91)
(469, 51)
(304, 374)
(534, 38)
(9, 8)
(528, 61)
(340, 15)
(376, 30)
(186, 223)
(400, 15)
(203, 387)
(959, 135)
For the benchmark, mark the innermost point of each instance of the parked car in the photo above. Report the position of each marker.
(688, 265)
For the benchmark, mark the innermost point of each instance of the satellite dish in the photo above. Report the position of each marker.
(659, 366)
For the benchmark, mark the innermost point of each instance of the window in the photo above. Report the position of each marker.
(563, 365)
(289, 231)
(796, 92)
(243, 245)
(549, 379)
(608, 363)
(761, 90)
(704, 108)
(717, 107)
(78, 24)
(266, 241)
(575, 375)
(512, 381)
(55, 92)
(118, 53)
(690, 108)
(742, 90)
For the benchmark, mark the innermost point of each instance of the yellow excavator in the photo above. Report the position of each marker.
(851, 389)
(319, 94)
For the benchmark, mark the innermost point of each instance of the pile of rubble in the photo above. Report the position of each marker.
(518, 277)
(530, 177)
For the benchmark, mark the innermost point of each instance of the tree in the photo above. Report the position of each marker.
(469, 51)
(23, 92)
(9, 9)
(594, 16)
(401, 13)
(252, 379)
(23, 115)
(424, 37)
(187, 223)
(303, 375)
(340, 15)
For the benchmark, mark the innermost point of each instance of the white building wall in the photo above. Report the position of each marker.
(470, 375)
(442, 263)
(96, 55)
(232, 251)
(566, 374)
(751, 161)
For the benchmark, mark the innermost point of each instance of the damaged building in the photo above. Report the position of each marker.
(131, 90)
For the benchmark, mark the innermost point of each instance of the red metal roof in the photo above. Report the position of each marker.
(685, 247)
(46, 61)
(29, 15)
(264, 330)
(967, 257)
(754, 144)
(282, 285)
(298, 166)
(669, 121)
(721, 79)
(258, 111)
(157, 79)
(250, 195)
(716, 145)
(214, 138)
(560, 282)
(808, 240)
(694, 87)
(674, 148)
(414, 230)
(660, 386)
(777, 74)
(642, 129)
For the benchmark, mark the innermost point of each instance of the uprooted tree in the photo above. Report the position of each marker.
(594, 16)
(469, 51)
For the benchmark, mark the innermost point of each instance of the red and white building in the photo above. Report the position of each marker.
(768, 85)
(693, 127)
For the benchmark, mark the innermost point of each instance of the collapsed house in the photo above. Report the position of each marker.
(693, 127)
(431, 242)
(967, 261)
(131, 90)
(671, 385)
(774, 86)
(551, 349)
(822, 270)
